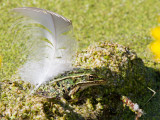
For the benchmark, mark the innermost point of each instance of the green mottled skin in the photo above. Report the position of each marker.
(103, 73)
(70, 83)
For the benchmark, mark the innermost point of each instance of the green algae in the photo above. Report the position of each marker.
(124, 73)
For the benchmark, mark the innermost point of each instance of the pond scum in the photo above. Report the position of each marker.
(123, 72)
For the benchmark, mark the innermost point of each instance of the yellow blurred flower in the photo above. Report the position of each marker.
(155, 32)
(155, 45)
(155, 48)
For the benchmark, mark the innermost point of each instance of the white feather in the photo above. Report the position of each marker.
(47, 59)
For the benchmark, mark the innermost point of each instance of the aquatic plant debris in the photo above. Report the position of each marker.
(123, 68)
(132, 106)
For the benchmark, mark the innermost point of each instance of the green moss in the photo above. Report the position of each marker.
(124, 73)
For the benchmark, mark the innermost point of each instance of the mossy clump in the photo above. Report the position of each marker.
(124, 72)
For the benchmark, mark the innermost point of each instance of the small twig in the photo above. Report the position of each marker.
(151, 96)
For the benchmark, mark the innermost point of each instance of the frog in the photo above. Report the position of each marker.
(70, 83)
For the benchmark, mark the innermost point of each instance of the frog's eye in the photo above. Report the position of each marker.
(91, 77)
